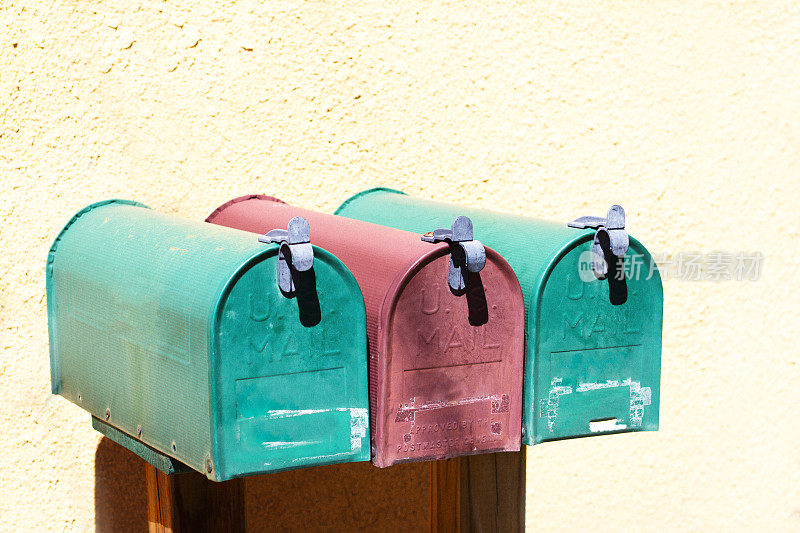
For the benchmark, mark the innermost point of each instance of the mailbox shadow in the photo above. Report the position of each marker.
(120, 494)
(307, 298)
(476, 300)
(617, 284)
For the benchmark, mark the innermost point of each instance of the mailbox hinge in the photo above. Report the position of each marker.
(295, 253)
(610, 238)
(465, 253)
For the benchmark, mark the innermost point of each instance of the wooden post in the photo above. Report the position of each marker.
(190, 502)
(479, 493)
(446, 495)
(493, 492)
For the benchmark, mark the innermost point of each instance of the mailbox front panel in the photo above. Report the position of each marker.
(452, 388)
(592, 367)
(596, 366)
(168, 329)
(445, 369)
(291, 376)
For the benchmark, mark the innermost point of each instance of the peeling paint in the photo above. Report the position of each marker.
(406, 411)
(550, 406)
(280, 445)
(320, 457)
(288, 413)
(501, 405)
(639, 398)
(583, 387)
(612, 424)
(359, 422)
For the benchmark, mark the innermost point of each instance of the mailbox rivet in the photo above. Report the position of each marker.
(209, 465)
(139, 430)
(174, 447)
(108, 413)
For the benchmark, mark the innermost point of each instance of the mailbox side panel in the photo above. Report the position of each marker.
(291, 377)
(129, 295)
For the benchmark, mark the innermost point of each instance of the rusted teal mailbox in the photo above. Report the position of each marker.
(593, 302)
(193, 344)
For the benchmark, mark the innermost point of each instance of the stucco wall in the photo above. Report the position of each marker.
(686, 113)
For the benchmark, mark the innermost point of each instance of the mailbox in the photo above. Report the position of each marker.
(445, 320)
(189, 344)
(593, 352)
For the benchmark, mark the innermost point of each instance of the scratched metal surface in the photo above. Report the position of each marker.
(592, 367)
(442, 382)
(170, 330)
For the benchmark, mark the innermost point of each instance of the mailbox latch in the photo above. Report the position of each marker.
(465, 253)
(610, 238)
(295, 253)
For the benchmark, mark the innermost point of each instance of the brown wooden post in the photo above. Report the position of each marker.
(446, 495)
(479, 493)
(493, 492)
(190, 502)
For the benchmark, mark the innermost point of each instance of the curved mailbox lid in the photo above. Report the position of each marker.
(445, 370)
(177, 331)
(592, 366)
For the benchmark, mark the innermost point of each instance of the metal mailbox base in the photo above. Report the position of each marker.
(165, 463)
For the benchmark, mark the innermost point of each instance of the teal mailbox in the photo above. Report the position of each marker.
(593, 303)
(208, 347)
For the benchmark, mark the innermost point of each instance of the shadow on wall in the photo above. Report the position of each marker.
(120, 489)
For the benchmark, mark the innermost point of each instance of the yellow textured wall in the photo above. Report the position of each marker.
(686, 113)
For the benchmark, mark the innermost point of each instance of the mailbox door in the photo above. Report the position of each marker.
(598, 366)
(611, 383)
(445, 369)
(291, 376)
(453, 366)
